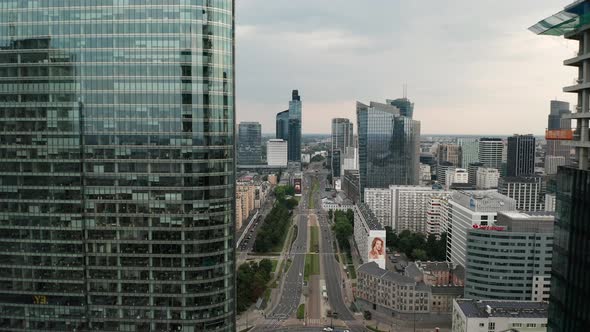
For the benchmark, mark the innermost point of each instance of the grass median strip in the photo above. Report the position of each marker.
(312, 265)
(301, 311)
(314, 239)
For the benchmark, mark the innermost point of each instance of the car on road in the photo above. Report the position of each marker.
(328, 329)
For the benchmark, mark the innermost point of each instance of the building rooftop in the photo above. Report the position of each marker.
(484, 200)
(571, 18)
(373, 269)
(492, 308)
(447, 290)
(369, 217)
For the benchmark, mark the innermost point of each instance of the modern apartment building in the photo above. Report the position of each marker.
(249, 143)
(527, 191)
(437, 214)
(487, 178)
(379, 200)
(389, 146)
(276, 153)
(521, 155)
(493, 315)
(469, 209)
(117, 166)
(366, 229)
(402, 207)
(490, 152)
(512, 259)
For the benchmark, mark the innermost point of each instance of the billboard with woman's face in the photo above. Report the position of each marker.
(376, 248)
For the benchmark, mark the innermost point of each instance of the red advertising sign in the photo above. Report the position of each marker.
(489, 228)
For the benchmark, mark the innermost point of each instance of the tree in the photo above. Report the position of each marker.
(291, 203)
(343, 230)
(419, 255)
(330, 215)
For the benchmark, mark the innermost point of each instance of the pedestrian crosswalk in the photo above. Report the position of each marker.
(314, 322)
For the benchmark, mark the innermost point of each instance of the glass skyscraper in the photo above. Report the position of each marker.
(117, 165)
(294, 140)
(389, 146)
(249, 143)
(569, 302)
(282, 125)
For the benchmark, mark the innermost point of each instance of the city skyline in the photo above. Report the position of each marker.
(488, 78)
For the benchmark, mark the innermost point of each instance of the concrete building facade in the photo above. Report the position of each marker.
(487, 178)
(495, 316)
(528, 191)
(276, 154)
(468, 209)
(512, 259)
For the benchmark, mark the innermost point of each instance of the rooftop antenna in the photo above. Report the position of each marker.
(405, 90)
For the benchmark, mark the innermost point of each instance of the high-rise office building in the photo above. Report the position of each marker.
(276, 152)
(117, 166)
(487, 178)
(405, 106)
(510, 260)
(527, 191)
(389, 146)
(521, 155)
(472, 172)
(282, 125)
(469, 150)
(552, 163)
(569, 303)
(449, 153)
(342, 137)
(249, 143)
(490, 152)
(470, 209)
(294, 134)
(559, 119)
(342, 140)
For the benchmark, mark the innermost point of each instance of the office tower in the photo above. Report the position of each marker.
(441, 172)
(472, 172)
(469, 150)
(437, 214)
(276, 153)
(342, 139)
(521, 155)
(249, 143)
(389, 146)
(425, 175)
(469, 209)
(490, 152)
(350, 160)
(527, 191)
(294, 133)
(559, 122)
(117, 159)
(510, 260)
(552, 163)
(487, 178)
(569, 302)
(449, 153)
(405, 106)
(351, 185)
(282, 125)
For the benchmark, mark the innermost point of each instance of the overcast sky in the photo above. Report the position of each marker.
(471, 66)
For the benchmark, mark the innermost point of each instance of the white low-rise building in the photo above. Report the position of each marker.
(495, 316)
(455, 176)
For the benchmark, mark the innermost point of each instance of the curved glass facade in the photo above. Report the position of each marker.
(117, 165)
